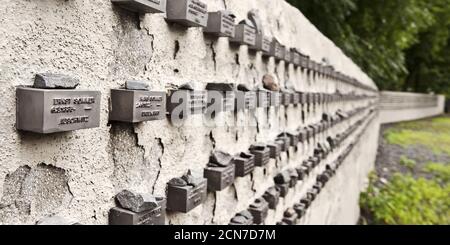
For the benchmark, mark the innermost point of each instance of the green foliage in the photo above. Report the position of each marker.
(406, 162)
(405, 200)
(401, 44)
(439, 170)
(432, 133)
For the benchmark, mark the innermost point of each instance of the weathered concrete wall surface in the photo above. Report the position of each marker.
(77, 174)
(402, 106)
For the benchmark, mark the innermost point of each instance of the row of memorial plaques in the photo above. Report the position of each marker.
(54, 105)
(258, 210)
(189, 191)
(194, 13)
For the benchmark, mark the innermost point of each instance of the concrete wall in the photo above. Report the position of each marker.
(401, 106)
(77, 174)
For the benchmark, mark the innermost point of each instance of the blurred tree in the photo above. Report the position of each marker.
(401, 44)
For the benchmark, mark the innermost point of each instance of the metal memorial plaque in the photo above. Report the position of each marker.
(137, 105)
(263, 98)
(219, 178)
(244, 164)
(295, 57)
(301, 135)
(262, 43)
(293, 177)
(295, 99)
(318, 187)
(221, 24)
(242, 218)
(186, 102)
(221, 97)
(301, 173)
(290, 217)
(286, 141)
(303, 98)
(262, 154)
(185, 198)
(259, 210)
(275, 99)
(300, 209)
(306, 201)
(275, 150)
(245, 34)
(190, 13)
(155, 216)
(245, 100)
(287, 55)
(282, 144)
(142, 6)
(56, 110)
(272, 196)
(283, 189)
(312, 194)
(277, 50)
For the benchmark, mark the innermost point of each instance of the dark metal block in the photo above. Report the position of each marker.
(56, 110)
(245, 34)
(306, 201)
(137, 105)
(219, 178)
(277, 50)
(262, 43)
(275, 150)
(287, 142)
(142, 6)
(190, 13)
(283, 189)
(290, 217)
(287, 55)
(300, 209)
(242, 218)
(262, 154)
(272, 196)
(295, 98)
(156, 216)
(221, 97)
(185, 198)
(263, 98)
(245, 163)
(312, 194)
(184, 102)
(259, 210)
(293, 177)
(302, 172)
(221, 24)
(286, 98)
(245, 100)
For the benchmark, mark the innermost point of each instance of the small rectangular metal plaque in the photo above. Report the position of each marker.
(185, 198)
(142, 6)
(137, 105)
(244, 35)
(221, 23)
(56, 110)
(244, 163)
(190, 13)
(219, 178)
